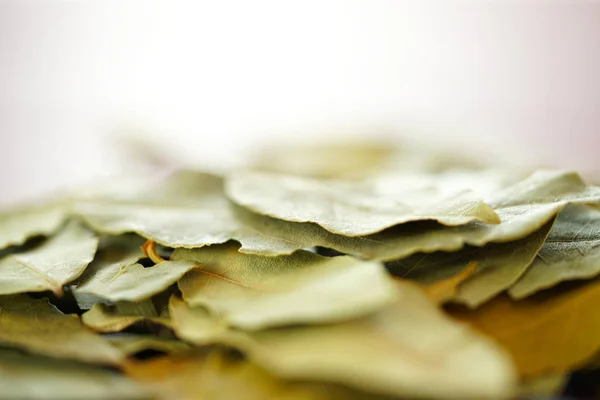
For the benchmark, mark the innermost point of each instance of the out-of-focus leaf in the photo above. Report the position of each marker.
(408, 349)
(571, 251)
(131, 343)
(29, 377)
(353, 208)
(60, 260)
(187, 209)
(254, 292)
(36, 326)
(20, 224)
(349, 159)
(214, 376)
(445, 289)
(115, 318)
(499, 266)
(545, 333)
(197, 326)
(545, 386)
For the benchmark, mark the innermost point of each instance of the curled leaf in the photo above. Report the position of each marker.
(351, 208)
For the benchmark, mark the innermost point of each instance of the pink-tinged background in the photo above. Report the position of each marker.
(205, 80)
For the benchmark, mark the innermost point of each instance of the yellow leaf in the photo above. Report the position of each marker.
(444, 290)
(546, 333)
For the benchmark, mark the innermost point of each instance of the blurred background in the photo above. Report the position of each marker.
(84, 82)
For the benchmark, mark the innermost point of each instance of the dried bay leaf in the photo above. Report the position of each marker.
(546, 333)
(409, 349)
(543, 386)
(445, 289)
(59, 260)
(499, 266)
(349, 159)
(25, 376)
(215, 376)
(133, 282)
(571, 251)
(36, 326)
(132, 343)
(20, 224)
(197, 326)
(254, 292)
(115, 318)
(186, 209)
(523, 208)
(352, 208)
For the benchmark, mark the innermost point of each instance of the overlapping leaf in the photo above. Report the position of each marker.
(499, 265)
(132, 343)
(26, 376)
(548, 333)
(115, 318)
(351, 208)
(36, 326)
(523, 208)
(571, 251)
(399, 351)
(116, 276)
(58, 261)
(20, 224)
(215, 376)
(254, 292)
(186, 209)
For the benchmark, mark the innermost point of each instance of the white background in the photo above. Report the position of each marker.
(206, 79)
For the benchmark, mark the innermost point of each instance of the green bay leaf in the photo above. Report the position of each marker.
(571, 251)
(253, 292)
(499, 266)
(398, 351)
(26, 376)
(38, 327)
(20, 224)
(56, 262)
(117, 317)
(353, 208)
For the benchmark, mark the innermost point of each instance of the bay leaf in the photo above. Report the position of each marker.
(185, 209)
(349, 159)
(444, 290)
(58, 261)
(36, 326)
(119, 316)
(571, 251)
(544, 386)
(22, 223)
(126, 281)
(254, 292)
(133, 343)
(215, 376)
(31, 377)
(546, 333)
(500, 265)
(197, 326)
(352, 208)
(524, 208)
(399, 351)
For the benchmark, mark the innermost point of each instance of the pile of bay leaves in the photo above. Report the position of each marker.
(303, 281)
